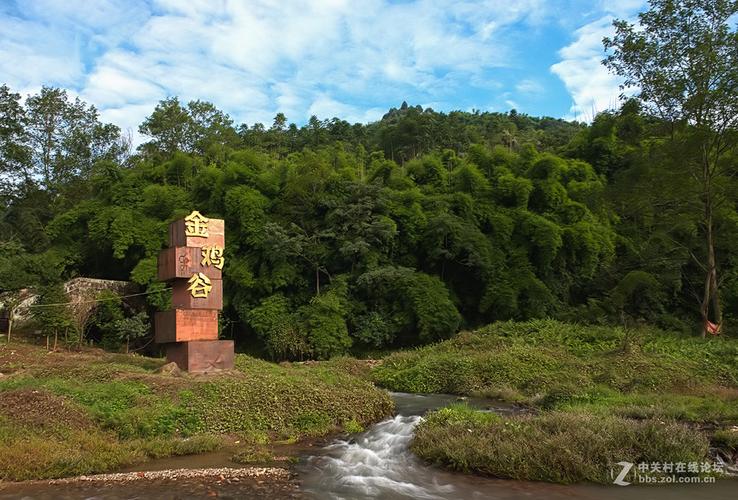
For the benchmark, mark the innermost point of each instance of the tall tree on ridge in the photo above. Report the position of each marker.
(14, 152)
(683, 58)
(66, 138)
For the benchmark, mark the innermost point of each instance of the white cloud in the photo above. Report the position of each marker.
(98, 16)
(529, 86)
(624, 8)
(512, 104)
(253, 59)
(592, 87)
(113, 87)
(324, 106)
(128, 118)
(28, 57)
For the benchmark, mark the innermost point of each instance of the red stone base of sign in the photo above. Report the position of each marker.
(183, 325)
(202, 356)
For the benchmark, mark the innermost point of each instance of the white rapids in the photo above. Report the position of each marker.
(377, 464)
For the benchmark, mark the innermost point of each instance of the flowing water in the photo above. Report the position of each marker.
(379, 464)
(374, 464)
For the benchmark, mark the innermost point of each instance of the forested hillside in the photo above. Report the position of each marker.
(394, 233)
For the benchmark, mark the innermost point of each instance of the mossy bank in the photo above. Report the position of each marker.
(66, 413)
(557, 446)
(597, 395)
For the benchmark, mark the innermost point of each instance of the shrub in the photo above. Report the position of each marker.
(374, 328)
(53, 318)
(324, 320)
(274, 322)
(561, 447)
(257, 454)
(413, 304)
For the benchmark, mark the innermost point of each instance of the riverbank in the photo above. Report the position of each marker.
(557, 446)
(379, 463)
(374, 464)
(250, 482)
(591, 389)
(592, 396)
(74, 413)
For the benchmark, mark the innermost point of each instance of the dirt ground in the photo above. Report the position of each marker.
(38, 408)
(22, 353)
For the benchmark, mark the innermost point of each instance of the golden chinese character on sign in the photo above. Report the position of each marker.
(200, 286)
(213, 256)
(196, 225)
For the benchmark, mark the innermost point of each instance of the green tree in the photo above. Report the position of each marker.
(109, 310)
(66, 138)
(412, 306)
(132, 328)
(683, 59)
(324, 319)
(15, 155)
(171, 128)
(275, 323)
(52, 313)
(212, 132)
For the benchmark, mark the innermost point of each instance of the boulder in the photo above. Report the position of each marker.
(170, 369)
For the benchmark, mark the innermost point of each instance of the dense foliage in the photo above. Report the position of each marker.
(683, 59)
(403, 231)
(330, 245)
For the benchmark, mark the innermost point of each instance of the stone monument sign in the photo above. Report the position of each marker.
(193, 266)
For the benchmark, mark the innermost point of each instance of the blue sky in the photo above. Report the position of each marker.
(351, 59)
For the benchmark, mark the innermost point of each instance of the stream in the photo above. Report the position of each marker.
(379, 464)
(374, 464)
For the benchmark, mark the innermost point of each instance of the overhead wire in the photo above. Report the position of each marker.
(92, 301)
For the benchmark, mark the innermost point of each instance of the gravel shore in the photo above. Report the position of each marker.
(225, 482)
(222, 473)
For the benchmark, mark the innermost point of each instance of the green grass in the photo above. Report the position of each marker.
(726, 439)
(285, 402)
(560, 447)
(31, 453)
(129, 408)
(72, 413)
(600, 395)
(79, 414)
(551, 365)
(707, 407)
(26, 454)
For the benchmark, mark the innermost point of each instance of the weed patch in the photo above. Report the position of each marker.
(636, 373)
(95, 412)
(560, 447)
